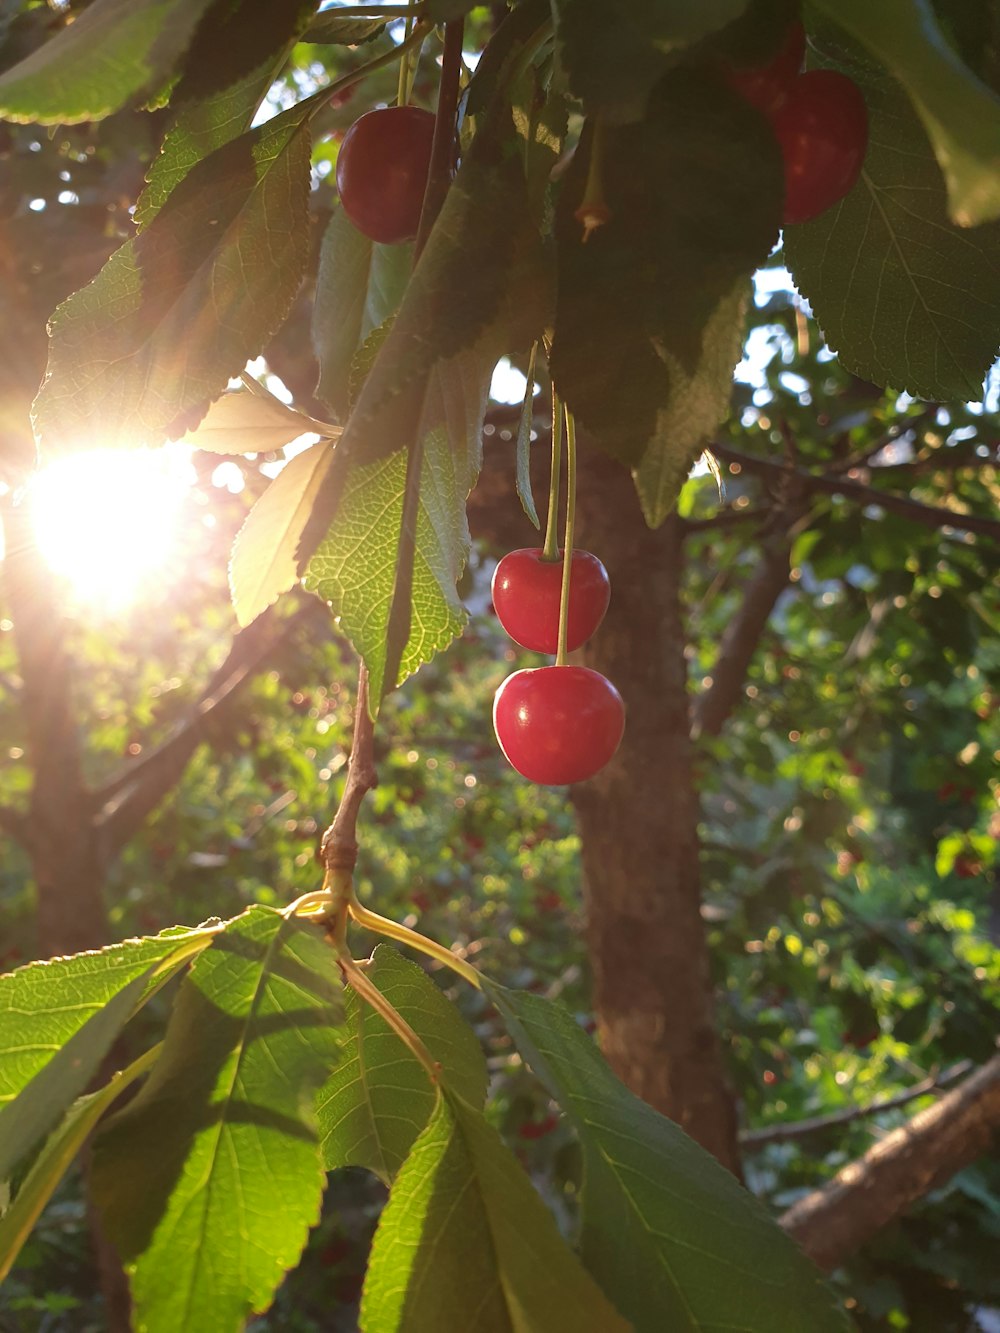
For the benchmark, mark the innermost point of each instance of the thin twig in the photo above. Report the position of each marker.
(929, 516)
(800, 1129)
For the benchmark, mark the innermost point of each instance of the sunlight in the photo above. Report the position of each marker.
(106, 521)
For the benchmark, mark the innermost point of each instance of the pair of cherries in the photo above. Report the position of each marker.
(555, 724)
(819, 119)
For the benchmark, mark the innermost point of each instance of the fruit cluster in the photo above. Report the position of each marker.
(556, 724)
(820, 122)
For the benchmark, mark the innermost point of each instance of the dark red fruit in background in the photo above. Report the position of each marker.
(822, 127)
(558, 724)
(766, 86)
(382, 171)
(526, 592)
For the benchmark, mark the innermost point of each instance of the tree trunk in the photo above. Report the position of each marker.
(66, 857)
(639, 828)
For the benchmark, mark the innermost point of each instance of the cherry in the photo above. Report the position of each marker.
(558, 724)
(526, 592)
(382, 171)
(767, 86)
(822, 127)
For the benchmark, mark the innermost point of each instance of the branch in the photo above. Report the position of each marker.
(339, 847)
(753, 1139)
(739, 642)
(126, 800)
(929, 516)
(833, 1222)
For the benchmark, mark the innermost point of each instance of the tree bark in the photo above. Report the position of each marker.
(639, 830)
(835, 1221)
(66, 857)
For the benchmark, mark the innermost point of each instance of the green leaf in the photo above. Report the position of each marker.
(523, 473)
(263, 563)
(111, 53)
(960, 113)
(379, 1099)
(668, 1233)
(355, 566)
(244, 421)
(614, 57)
(358, 286)
(179, 309)
(210, 1179)
(37, 1107)
(465, 1243)
(904, 296)
(54, 1159)
(44, 1005)
(645, 286)
(696, 404)
(234, 58)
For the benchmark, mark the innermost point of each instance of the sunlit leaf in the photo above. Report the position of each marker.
(55, 1158)
(243, 422)
(182, 307)
(466, 1243)
(210, 1179)
(523, 453)
(263, 563)
(379, 1098)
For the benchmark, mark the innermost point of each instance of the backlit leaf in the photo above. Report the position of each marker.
(244, 422)
(465, 1243)
(379, 1098)
(263, 563)
(181, 307)
(210, 1179)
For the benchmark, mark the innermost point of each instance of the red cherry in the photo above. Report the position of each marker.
(382, 171)
(767, 86)
(526, 592)
(822, 127)
(558, 724)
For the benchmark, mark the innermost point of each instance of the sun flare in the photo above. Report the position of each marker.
(107, 521)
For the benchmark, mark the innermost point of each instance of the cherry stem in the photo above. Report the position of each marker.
(550, 547)
(393, 930)
(568, 536)
(372, 996)
(443, 143)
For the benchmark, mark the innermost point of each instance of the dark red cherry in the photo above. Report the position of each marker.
(558, 724)
(382, 171)
(767, 86)
(526, 592)
(822, 127)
